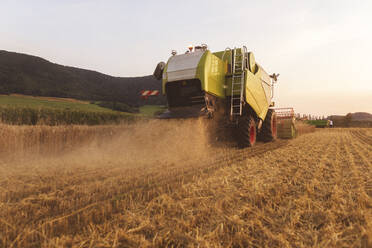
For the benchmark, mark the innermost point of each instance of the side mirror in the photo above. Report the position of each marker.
(158, 73)
(275, 77)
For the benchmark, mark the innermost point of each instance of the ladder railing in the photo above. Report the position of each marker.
(237, 84)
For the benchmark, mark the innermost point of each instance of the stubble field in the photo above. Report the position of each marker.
(162, 184)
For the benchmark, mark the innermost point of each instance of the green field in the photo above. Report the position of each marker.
(20, 101)
(318, 123)
(28, 110)
(151, 110)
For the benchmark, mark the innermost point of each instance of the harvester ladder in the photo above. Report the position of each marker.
(237, 84)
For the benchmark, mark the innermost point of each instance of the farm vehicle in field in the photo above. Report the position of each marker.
(226, 85)
(320, 123)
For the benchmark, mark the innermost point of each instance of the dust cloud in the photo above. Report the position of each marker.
(155, 141)
(140, 144)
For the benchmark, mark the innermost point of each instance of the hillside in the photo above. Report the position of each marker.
(357, 116)
(30, 75)
(362, 116)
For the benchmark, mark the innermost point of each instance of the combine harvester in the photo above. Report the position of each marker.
(227, 85)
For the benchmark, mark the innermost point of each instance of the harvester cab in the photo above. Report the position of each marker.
(228, 85)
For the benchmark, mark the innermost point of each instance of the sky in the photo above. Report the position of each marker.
(322, 49)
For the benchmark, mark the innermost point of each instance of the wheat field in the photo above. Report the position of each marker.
(165, 184)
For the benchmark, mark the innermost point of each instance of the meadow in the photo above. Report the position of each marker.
(17, 100)
(164, 184)
(28, 110)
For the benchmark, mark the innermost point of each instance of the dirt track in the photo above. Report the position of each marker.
(312, 191)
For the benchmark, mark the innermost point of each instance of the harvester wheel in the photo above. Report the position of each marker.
(269, 127)
(247, 131)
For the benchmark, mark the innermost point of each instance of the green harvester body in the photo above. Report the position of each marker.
(230, 80)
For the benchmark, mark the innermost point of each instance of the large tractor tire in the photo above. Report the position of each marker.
(247, 131)
(269, 127)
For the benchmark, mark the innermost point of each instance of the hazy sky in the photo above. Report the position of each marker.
(322, 49)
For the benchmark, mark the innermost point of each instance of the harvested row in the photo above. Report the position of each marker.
(281, 194)
(362, 136)
(145, 180)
